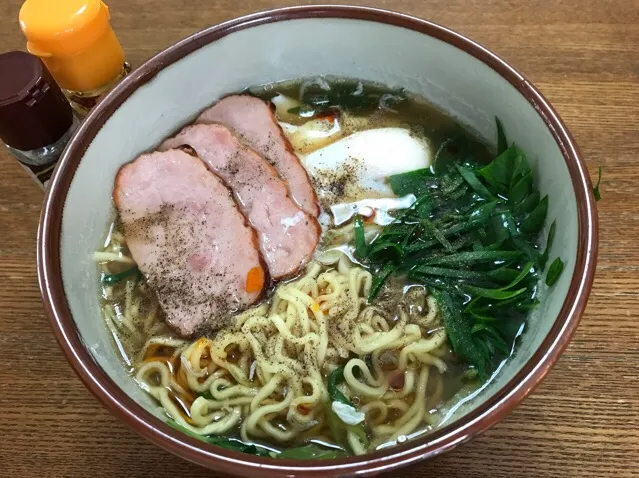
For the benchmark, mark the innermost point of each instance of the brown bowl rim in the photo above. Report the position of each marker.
(433, 444)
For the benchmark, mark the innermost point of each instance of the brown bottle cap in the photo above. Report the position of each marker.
(33, 110)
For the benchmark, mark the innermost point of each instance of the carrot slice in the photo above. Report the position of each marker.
(255, 280)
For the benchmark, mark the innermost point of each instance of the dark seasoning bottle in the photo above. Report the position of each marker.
(36, 120)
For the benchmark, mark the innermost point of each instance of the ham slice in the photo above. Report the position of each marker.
(254, 121)
(189, 239)
(287, 235)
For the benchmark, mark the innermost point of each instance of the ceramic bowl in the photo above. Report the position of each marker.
(455, 73)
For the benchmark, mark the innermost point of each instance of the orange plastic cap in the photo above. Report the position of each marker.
(74, 39)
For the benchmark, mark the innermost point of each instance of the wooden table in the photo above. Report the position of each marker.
(583, 421)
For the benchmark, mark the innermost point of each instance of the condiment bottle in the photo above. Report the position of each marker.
(36, 120)
(75, 40)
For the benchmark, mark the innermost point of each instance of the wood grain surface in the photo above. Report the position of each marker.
(583, 421)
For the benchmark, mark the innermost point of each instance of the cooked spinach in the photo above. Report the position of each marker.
(554, 271)
(338, 428)
(318, 97)
(471, 237)
(306, 452)
(595, 190)
(110, 279)
(502, 142)
(224, 442)
(311, 451)
(335, 378)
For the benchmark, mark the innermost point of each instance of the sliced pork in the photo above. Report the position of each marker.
(287, 235)
(254, 121)
(189, 239)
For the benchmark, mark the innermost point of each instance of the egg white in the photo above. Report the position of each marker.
(371, 156)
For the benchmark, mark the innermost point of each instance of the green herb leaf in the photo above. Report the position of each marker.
(303, 111)
(554, 271)
(349, 97)
(473, 181)
(497, 294)
(502, 142)
(361, 249)
(528, 204)
(458, 329)
(535, 220)
(110, 279)
(430, 227)
(521, 189)
(499, 172)
(491, 306)
(482, 214)
(483, 318)
(526, 269)
(595, 190)
(335, 378)
(379, 279)
(223, 442)
(311, 452)
(525, 247)
(413, 182)
(520, 167)
(549, 241)
(454, 273)
(472, 257)
(471, 238)
(491, 335)
(380, 246)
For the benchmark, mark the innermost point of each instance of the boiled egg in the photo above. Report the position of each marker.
(358, 166)
(313, 134)
(283, 104)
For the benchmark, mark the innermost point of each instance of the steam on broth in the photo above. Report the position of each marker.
(426, 268)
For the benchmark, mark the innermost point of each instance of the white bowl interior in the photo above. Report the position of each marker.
(454, 80)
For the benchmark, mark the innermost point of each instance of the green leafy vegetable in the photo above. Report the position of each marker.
(521, 190)
(335, 378)
(474, 182)
(499, 172)
(497, 294)
(224, 442)
(502, 142)
(380, 278)
(444, 272)
(526, 270)
(304, 111)
(595, 190)
(554, 271)
(471, 237)
(337, 426)
(311, 452)
(459, 331)
(471, 257)
(320, 97)
(528, 204)
(535, 220)
(549, 241)
(110, 279)
(306, 452)
(413, 182)
(360, 240)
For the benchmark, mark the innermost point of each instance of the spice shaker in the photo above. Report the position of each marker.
(36, 120)
(77, 44)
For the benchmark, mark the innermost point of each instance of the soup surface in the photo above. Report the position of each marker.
(426, 268)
